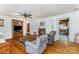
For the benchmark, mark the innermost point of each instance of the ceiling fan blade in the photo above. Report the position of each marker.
(21, 13)
(30, 16)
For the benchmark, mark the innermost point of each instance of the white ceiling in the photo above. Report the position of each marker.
(37, 10)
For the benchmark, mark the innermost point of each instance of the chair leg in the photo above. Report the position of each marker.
(75, 40)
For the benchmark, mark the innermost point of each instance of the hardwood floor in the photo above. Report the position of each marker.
(15, 47)
(12, 47)
(61, 48)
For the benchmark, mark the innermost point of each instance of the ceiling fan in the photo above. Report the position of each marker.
(25, 15)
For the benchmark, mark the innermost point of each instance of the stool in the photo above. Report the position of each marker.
(76, 38)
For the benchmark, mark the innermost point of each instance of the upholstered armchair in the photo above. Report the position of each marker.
(37, 46)
(51, 37)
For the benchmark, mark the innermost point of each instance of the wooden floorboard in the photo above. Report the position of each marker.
(15, 47)
(61, 48)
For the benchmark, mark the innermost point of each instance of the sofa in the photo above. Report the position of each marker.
(37, 46)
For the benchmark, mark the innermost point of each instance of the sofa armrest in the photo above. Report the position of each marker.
(30, 44)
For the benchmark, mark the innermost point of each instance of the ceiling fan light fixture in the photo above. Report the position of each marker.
(26, 15)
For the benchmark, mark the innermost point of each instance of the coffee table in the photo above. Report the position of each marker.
(30, 37)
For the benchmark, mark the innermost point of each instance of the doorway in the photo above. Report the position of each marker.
(28, 28)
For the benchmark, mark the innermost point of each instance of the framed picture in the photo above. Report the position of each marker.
(1, 22)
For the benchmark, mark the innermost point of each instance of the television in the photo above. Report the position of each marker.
(17, 28)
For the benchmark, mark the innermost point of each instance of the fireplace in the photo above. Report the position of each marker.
(41, 31)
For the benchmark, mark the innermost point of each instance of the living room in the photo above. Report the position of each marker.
(20, 22)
